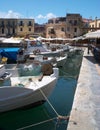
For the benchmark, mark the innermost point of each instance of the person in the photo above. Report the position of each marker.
(46, 69)
(89, 48)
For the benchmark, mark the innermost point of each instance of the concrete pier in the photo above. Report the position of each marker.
(85, 113)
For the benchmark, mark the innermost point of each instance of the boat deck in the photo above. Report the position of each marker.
(85, 113)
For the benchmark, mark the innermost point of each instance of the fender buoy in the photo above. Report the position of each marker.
(47, 69)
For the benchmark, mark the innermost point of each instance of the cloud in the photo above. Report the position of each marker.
(48, 16)
(10, 14)
(42, 19)
(39, 19)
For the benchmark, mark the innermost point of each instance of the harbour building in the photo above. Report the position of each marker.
(16, 27)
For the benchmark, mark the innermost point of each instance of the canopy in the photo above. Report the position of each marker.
(95, 34)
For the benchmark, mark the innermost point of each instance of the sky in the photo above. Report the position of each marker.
(42, 10)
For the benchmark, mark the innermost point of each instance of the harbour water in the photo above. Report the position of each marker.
(44, 117)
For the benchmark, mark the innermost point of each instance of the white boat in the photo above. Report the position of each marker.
(54, 60)
(4, 75)
(61, 60)
(23, 88)
(37, 47)
(74, 50)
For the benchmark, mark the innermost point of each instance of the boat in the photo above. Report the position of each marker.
(74, 50)
(28, 84)
(54, 60)
(61, 60)
(10, 53)
(5, 76)
(38, 47)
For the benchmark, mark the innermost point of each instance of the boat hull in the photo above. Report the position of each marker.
(22, 97)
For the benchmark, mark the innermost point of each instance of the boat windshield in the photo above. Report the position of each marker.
(30, 70)
(20, 70)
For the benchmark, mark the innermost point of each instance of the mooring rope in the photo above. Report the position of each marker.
(39, 123)
(49, 102)
(45, 121)
(58, 117)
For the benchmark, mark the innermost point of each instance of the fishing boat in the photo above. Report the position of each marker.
(27, 85)
(54, 60)
(38, 47)
(36, 51)
(10, 53)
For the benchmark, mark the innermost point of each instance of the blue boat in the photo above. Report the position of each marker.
(9, 53)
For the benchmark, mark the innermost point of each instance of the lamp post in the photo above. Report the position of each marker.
(96, 23)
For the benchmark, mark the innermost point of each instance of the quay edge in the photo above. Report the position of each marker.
(85, 113)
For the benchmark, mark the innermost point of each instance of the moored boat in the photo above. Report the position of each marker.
(24, 87)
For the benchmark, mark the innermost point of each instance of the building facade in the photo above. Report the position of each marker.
(66, 27)
(74, 25)
(39, 30)
(94, 24)
(8, 27)
(56, 27)
(16, 27)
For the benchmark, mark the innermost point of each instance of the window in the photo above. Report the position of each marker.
(75, 22)
(2, 22)
(2, 30)
(21, 29)
(99, 25)
(8, 22)
(29, 29)
(29, 23)
(70, 21)
(68, 29)
(21, 23)
(62, 29)
(75, 29)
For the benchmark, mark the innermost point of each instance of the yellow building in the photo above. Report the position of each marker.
(16, 27)
(25, 27)
(94, 24)
(8, 27)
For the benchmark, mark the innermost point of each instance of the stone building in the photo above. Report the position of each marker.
(56, 27)
(65, 27)
(39, 30)
(16, 27)
(25, 27)
(8, 27)
(74, 25)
